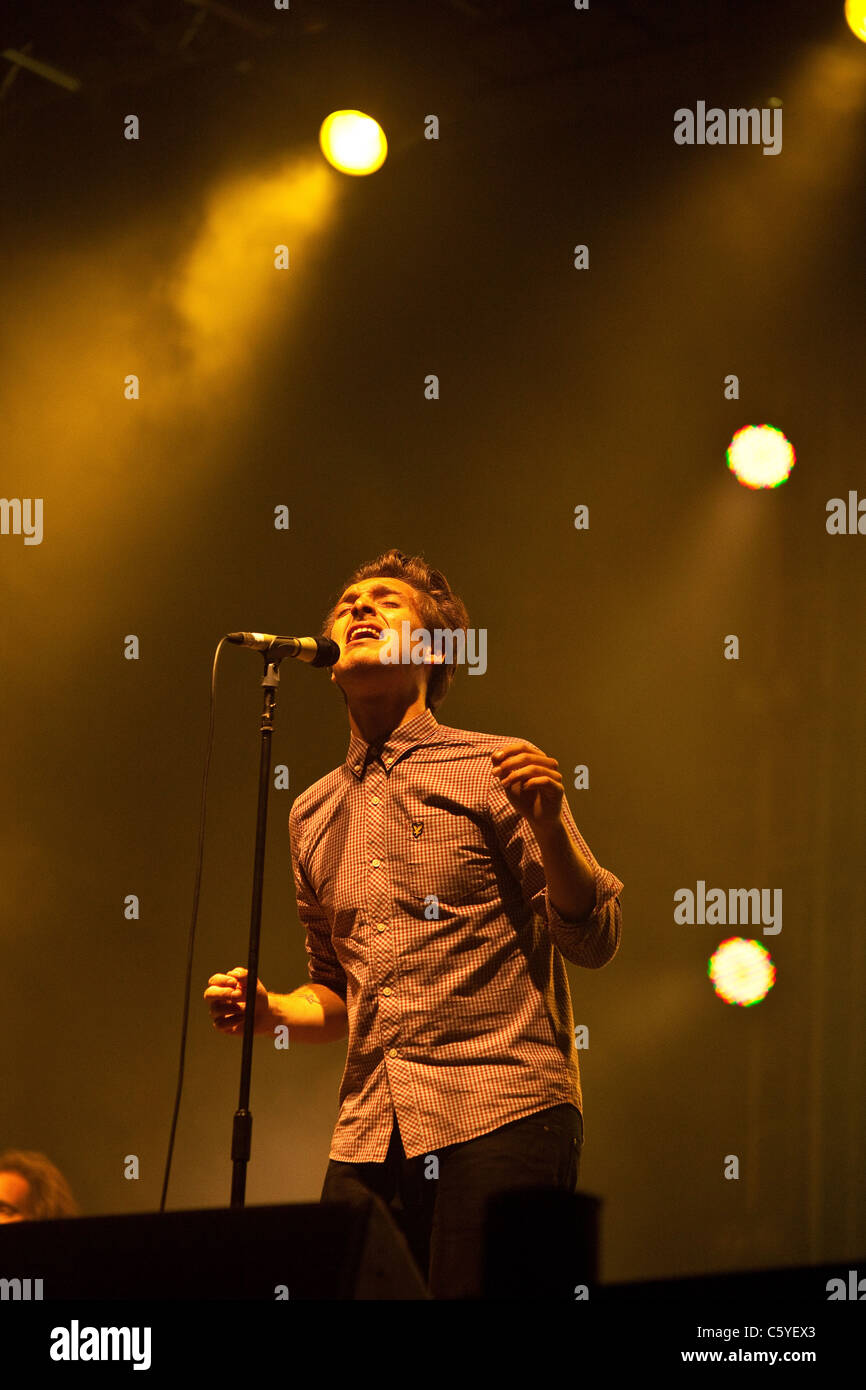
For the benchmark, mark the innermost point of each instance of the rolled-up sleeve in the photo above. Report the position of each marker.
(594, 940)
(322, 963)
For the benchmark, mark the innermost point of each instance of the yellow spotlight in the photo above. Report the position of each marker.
(760, 456)
(855, 13)
(352, 142)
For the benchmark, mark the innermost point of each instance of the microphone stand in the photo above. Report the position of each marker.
(243, 1121)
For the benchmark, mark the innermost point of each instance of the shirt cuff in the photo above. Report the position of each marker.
(556, 919)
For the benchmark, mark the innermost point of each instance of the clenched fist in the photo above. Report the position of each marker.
(226, 997)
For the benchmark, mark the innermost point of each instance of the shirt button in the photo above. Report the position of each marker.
(393, 1052)
(375, 800)
(376, 863)
(381, 926)
(386, 990)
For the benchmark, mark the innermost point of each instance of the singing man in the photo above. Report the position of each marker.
(442, 883)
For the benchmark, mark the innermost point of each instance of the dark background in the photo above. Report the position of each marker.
(605, 647)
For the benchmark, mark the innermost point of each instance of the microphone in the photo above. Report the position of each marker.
(318, 651)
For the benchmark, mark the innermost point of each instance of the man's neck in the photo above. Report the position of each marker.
(374, 719)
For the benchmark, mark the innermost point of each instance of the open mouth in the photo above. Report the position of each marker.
(364, 632)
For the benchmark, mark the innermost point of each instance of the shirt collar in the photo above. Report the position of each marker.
(418, 730)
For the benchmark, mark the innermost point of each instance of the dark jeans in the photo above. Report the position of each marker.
(442, 1218)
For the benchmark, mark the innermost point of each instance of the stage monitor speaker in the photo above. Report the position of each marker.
(302, 1251)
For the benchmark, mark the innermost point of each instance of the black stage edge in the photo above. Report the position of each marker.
(177, 1291)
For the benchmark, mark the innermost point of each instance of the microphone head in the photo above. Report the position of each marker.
(327, 652)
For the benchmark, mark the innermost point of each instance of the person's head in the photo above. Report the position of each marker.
(388, 591)
(32, 1189)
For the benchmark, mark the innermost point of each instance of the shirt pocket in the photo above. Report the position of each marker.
(448, 861)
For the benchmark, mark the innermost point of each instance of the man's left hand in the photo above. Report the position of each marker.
(531, 781)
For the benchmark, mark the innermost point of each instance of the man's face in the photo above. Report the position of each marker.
(14, 1197)
(363, 614)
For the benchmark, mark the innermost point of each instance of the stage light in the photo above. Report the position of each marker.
(352, 142)
(855, 13)
(742, 972)
(760, 456)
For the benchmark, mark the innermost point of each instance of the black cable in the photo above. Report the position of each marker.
(192, 925)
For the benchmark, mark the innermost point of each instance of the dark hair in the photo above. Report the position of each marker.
(437, 605)
(50, 1196)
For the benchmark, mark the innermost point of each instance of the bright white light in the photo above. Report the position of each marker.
(760, 456)
(742, 971)
(855, 13)
(352, 142)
